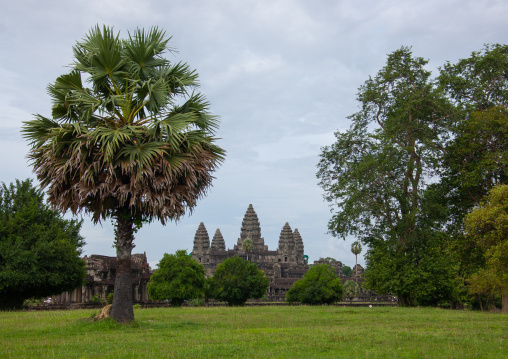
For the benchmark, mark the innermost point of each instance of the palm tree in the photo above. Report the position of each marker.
(356, 248)
(136, 145)
(247, 245)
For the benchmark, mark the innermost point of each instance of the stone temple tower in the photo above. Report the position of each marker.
(218, 243)
(287, 246)
(299, 246)
(201, 247)
(251, 229)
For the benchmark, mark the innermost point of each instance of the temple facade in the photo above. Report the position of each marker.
(100, 280)
(282, 266)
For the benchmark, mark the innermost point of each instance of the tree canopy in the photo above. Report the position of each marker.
(375, 174)
(39, 249)
(236, 280)
(137, 144)
(487, 225)
(419, 155)
(177, 278)
(320, 285)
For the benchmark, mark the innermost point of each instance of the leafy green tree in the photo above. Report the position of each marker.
(487, 225)
(351, 290)
(178, 278)
(376, 173)
(39, 249)
(136, 145)
(320, 285)
(476, 158)
(235, 280)
(347, 271)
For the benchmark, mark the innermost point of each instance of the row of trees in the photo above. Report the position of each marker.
(420, 154)
(179, 278)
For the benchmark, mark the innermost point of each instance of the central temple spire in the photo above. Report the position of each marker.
(251, 229)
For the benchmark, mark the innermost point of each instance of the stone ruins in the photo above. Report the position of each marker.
(283, 266)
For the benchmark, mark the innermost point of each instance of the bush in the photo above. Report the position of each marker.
(39, 249)
(109, 298)
(320, 285)
(178, 278)
(237, 280)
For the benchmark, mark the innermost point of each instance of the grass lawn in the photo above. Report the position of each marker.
(257, 332)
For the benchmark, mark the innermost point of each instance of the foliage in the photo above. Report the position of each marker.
(487, 225)
(426, 281)
(476, 157)
(376, 173)
(140, 120)
(136, 145)
(327, 260)
(351, 289)
(97, 299)
(356, 248)
(347, 271)
(236, 280)
(247, 246)
(109, 297)
(320, 285)
(178, 278)
(39, 249)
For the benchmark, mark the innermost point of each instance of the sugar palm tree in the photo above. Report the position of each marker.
(356, 249)
(247, 246)
(137, 145)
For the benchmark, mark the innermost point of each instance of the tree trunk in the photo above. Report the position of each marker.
(356, 268)
(404, 300)
(505, 303)
(121, 310)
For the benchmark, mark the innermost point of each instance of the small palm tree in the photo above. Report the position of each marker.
(247, 246)
(356, 248)
(136, 145)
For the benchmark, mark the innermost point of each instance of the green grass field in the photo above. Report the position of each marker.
(257, 332)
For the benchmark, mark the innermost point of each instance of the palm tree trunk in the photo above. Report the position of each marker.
(356, 268)
(121, 310)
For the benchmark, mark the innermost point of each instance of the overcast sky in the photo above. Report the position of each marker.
(282, 75)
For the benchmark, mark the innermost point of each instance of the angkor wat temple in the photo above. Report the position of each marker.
(283, 266)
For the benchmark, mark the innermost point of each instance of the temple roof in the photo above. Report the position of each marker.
(218, 241)
(286, 239)
(251, 229)
(201, 239)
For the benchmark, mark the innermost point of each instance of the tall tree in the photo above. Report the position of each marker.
(136, 145)
(39, 249)
(356, 249)
(476, 157)
(376, 172)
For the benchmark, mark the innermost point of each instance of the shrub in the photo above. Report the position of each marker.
(320, 285)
